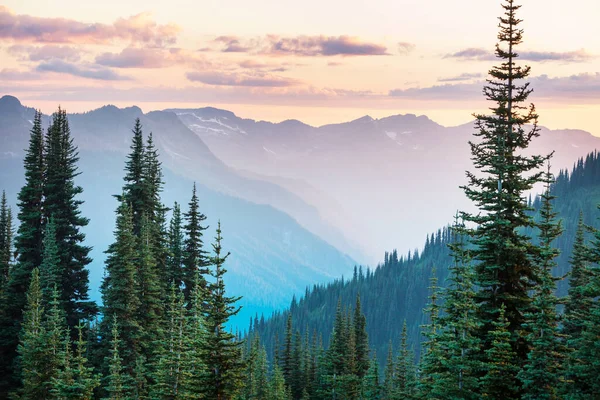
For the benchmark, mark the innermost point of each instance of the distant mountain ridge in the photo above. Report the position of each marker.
(391, 169)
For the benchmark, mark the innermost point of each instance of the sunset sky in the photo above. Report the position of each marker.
(317, 61)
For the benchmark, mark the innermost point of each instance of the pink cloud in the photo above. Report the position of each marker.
(139, 28)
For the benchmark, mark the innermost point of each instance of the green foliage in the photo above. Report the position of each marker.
(194, 257)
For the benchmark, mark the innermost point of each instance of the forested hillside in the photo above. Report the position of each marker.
(397, 289)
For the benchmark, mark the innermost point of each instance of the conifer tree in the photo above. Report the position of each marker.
(505, 271)
(28, 246)
(278, 389)
(406, 380)
(194, 256)
(6, 241)
(222, 358)
(371, 389)
(134, 189)
(541, 373)
(362, 340)
(287, 361)
(175, 261)
(500, 379)
(118, 383)
(195, 343)
(432, 355)
(459, 358)
(76, 381)
(61, 204)
(171, 372)
(32, 346)
(389, 381)
(119, 288)
(51, 271)
(578, 303)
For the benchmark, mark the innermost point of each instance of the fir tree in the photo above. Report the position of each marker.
(362, 340)
(134, 189)
(433, 355)
(278, 389)
(371, 389)
(389, 381)
(541, 372)
(505, 272)
(50, 270)
(119, 294)
(76, 381)
(32, 346)
(194, 257)
(28, 246)
(175, 260)
(500, 379)
(222, 359)
(117, 382)
(459, 355)
(405, 379)
(61, 204)
(6, 241)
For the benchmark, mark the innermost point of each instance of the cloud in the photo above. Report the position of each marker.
(462, 77)
(139, 28)
(232, 44)
(45, 53)
(405, 48)
(573, 89)
(479, 54)
(16, 75)
(307, 46)
(90, 72)
(223, 79)
(334, 64)
(134, 57)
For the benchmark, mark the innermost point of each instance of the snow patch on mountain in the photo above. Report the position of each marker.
(269, 151)
(391, 135)
(216, 121)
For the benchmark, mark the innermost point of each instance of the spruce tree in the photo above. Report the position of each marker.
(389, 380)
(61, 204)
(371, 388)
(541, 373)
(28, 247)
(222, 358)
(195, 343)
(505, 272)
(194, 256)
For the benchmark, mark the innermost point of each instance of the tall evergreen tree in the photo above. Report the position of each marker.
(61, 204)
(134, 189)
(505, 272)
(460, 364)
(222, 358)
(371, 389)
(6, 241)
(32, 346)
(119, 288)
(389, 380)
(432, 356)
(175, 260)
(51, 271)
(118, 385)
(194, 256)
(362, 340)
(406, 380)
(28, 246)
(541, 373)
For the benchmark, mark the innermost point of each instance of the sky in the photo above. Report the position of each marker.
(317, 61)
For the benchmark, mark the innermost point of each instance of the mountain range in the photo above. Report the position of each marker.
(299, 204)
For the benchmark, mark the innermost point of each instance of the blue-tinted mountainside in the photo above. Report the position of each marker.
(273, 256)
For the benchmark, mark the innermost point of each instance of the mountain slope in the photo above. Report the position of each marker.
(273, 256)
